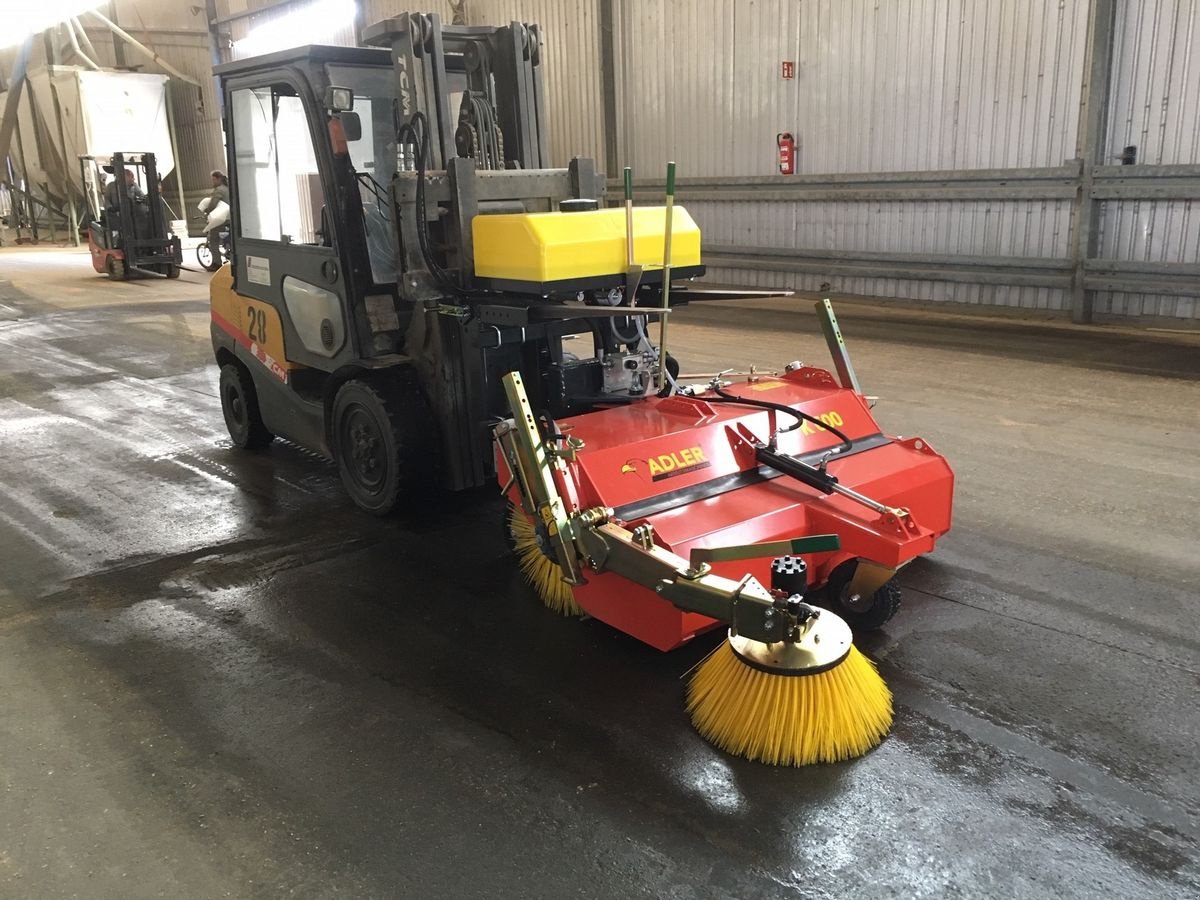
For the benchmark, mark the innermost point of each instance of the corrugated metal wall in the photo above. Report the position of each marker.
(1155, 107)
(879, 86)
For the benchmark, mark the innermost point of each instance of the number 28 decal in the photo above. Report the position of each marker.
(258, 324)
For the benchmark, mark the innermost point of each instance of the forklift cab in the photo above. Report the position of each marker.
(127, 219)
(309, 182)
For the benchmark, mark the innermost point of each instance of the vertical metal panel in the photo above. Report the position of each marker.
(1155, 106)
(1156, 93)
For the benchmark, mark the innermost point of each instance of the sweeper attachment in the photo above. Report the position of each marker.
(711, 505)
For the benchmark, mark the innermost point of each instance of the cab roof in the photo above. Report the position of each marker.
(318, 53)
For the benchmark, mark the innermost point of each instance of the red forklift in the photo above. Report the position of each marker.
(128, 234)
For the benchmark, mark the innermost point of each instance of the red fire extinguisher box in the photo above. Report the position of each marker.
(786, 145)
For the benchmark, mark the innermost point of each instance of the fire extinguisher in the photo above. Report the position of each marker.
(787, 153)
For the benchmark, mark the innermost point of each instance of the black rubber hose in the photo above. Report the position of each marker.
(420, 141)
(800, 416)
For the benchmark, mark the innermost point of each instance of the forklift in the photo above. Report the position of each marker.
(358, 316)
(128, 234)
(417, 294)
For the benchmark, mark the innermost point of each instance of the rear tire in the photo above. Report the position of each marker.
(239, 403)
(376, 429)
(866, 613)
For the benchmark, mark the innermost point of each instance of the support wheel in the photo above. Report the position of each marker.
(239, 403)
(375, 433)
(861, 613)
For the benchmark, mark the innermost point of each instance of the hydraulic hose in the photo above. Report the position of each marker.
(799, 415)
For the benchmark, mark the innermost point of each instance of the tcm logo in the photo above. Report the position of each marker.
(668, 465)
(405, 86)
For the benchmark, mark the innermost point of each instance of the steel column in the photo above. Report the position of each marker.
(1089, 148)
(15, 83)
(608, 80)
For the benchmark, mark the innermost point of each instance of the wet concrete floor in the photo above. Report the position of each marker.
(218, 679)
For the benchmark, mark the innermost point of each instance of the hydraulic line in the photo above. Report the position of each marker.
(799, 415)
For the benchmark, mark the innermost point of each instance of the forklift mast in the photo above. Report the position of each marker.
(495, 74)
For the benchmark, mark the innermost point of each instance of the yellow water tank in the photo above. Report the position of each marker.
(560, 247)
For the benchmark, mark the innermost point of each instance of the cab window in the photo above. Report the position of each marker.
(279, 193)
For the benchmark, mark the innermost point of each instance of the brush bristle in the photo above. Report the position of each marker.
(545, 575)
(790, 720)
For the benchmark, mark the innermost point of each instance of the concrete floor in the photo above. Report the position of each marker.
(219, 679)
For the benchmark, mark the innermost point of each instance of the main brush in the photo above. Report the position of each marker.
(811, 699)
(541, 571)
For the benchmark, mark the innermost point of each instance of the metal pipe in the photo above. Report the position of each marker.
(666, 276)
(72, 222)
(183, 211)
(83, 38)
(75, 47)
(142, 48)
(16, 81)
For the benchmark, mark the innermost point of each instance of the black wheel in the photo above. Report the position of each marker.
(673, 371)
(172, 271)
(208, 256)
(115, 268)
(239, 403)
(861, 613)
(377, 433)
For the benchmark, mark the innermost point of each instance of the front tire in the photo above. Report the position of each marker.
(375, 435)
(209, 256)
(239, 403)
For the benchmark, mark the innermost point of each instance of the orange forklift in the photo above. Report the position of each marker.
(127, 228)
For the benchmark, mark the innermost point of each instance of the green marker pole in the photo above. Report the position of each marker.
(666, 276)
(629, 217)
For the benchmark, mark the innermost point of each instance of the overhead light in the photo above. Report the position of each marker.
(295, 27)
(22, 18)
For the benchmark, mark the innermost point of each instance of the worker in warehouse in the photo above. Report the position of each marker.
(216, 207)
(132, 189)
(220, 191)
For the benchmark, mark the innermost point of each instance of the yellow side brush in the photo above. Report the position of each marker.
(542, 572)
(812, 700)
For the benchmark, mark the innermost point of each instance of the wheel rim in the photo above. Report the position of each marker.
(204, 255)
(364, 453)
(859, 603)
